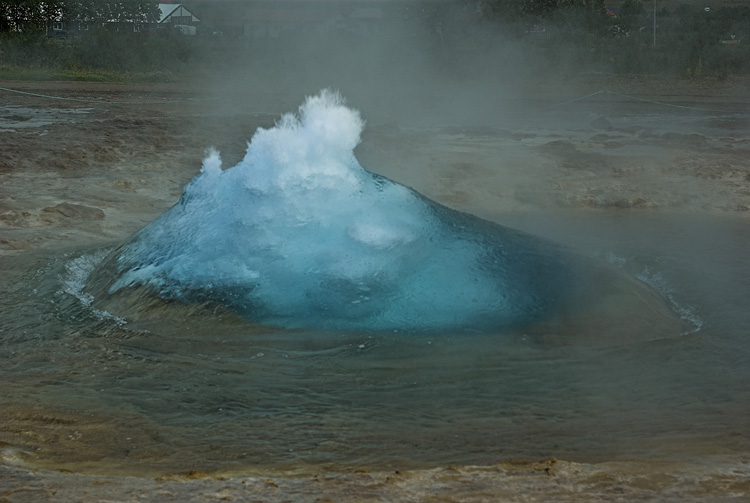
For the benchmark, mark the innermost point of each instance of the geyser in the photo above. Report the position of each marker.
(299, 235)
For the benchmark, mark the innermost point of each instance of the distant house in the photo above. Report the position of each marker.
(174, 14)
(613, 11)
(171, 16)
(176, 17)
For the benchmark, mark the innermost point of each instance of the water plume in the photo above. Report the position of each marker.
(300, 235)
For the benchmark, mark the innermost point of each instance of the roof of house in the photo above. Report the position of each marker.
(167, 9)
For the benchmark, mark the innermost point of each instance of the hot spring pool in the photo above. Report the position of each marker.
(86, 389)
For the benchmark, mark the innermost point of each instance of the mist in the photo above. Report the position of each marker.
(555, 137)
(423, 63)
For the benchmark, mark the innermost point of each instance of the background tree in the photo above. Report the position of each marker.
(632, 8)
(35, 15)
(632, 14)
(534, 11)
(95, 11)
(28, 15)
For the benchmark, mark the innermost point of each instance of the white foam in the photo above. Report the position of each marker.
(686, 312)
(77, 271)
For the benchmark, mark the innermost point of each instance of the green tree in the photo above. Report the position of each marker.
(28, 15)
(511, 10)
(95, 11)
(632, 8)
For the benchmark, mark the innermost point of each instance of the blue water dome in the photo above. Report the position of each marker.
(299, 235)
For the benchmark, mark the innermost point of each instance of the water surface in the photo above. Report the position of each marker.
(89, 390)
(216, 393)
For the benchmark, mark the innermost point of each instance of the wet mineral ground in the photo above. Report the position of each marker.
(85, 165)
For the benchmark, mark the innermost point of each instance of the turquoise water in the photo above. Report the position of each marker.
(299, 235)
(211, 391)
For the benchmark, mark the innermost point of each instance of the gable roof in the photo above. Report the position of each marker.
(167, 9)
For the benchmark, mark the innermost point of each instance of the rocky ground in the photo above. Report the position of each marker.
(91, 163)
(521, 481)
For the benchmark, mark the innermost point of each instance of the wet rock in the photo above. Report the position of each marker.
(15, 218)
(533, 481)
(558, 146)
(67, 212)
(15, 118)
(694, 140)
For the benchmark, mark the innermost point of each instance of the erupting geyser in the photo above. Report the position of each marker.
(299, 235)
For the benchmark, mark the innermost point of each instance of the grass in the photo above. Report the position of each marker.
(17, 73)
(47, 74)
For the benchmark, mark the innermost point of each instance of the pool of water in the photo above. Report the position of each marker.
(87, 391)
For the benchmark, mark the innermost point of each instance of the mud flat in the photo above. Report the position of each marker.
(86, 171)
(127, 151)
(713, 480)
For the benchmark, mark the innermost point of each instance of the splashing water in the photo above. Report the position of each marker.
(298, 234)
